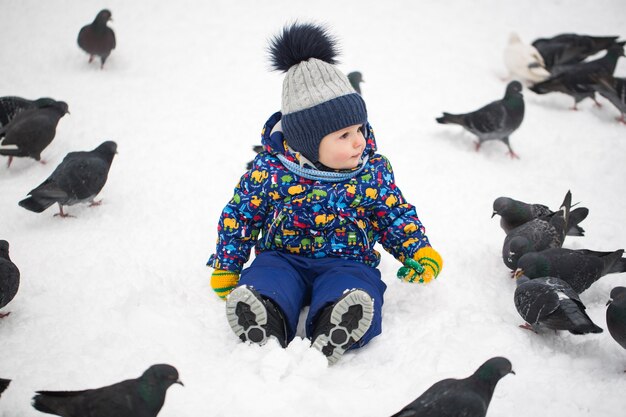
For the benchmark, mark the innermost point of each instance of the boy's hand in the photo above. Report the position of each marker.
(223, 282)
(423, 267)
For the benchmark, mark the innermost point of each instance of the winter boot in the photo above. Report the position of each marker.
(342, 324)
(254, 318)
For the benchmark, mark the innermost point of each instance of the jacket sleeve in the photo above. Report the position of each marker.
(242, 219)
(395, 221)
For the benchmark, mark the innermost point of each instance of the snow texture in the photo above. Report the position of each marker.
(124, 285)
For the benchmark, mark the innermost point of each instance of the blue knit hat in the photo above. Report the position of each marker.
(318, 99)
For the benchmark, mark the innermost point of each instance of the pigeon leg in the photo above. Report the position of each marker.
(598, 104)
(61, 213)
(90, 59)
(10, 160)
(619, 119)
(3, 315)
(575, 107)
(477, 145)
(95, 203)
(512, 154)
(527, 326)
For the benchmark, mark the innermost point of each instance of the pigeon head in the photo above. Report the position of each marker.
(501, 205)
(103, 17)
(59, 106)
(514, 87)
(533, 265)
(44, 102)
(518, 246)
(494, 369)
(161, 375)
(4, 249)
(617, 294)
(107, 150)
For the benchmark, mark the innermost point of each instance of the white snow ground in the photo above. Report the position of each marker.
(124, 285)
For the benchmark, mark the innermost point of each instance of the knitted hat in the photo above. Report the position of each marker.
(318, 99)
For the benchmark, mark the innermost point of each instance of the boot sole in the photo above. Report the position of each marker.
(246, 314)
(342, 335)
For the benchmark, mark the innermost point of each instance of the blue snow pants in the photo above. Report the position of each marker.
(293, 281)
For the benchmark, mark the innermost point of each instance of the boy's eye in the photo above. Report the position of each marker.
(345, 135)
(361, 129)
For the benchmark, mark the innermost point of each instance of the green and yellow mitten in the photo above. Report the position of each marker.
(423, 267)
(223, 282)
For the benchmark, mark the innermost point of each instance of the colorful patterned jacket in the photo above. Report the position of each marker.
(275, 209)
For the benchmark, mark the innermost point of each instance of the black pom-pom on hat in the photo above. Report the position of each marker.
(300, 42)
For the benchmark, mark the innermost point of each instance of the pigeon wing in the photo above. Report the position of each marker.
(535, 300)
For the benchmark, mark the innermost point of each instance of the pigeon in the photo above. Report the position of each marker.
(614, 90)
(468, 397)
(616, 315)
(78, 178)
(524, 62)
(570, 48)
(4, 383)
(97, 38)
(9, 277)
(514, 213)
(536, 235)
(496, 120)
(140, 397)
(577, 81)
(579, 268)
(551, 303)
(356, 78)
(257, 149)
(32, 130)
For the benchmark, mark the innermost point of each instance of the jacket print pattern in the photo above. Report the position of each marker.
(274, 209)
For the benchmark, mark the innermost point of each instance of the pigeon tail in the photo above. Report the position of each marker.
(615, 262)
(48, 401)
(36, 204)
(576, 216)
(450, 118)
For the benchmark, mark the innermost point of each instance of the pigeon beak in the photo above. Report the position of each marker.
(493, 214)
(179, 382)
(518, 273)
(609, 302)
(512, 372)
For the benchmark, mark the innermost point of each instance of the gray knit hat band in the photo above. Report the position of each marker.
(305, 129)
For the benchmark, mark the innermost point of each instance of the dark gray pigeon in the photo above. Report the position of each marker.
(78, 178)
(31, 130)
(536, 235)
(551, 303)
(579, 268)
(4, 383)
(469, 397)
(141, 397)
(495, 121)
(356, 78)
(514, 213)
(616, 315)
(571, 48)
(614, 90)
(9, 277)
(97, 38)
(577, 81)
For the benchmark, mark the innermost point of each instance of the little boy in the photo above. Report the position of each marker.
(314, 204)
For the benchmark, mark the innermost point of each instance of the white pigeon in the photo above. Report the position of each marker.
(524, 62)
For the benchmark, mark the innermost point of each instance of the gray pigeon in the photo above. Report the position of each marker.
(614, 90)
(356, 78)
(495, 121)
(4, 383)
(468, 397)
(577, 81)
(97, 38)
(571, 48)
(616, 315)
(78, 178)
(9, 277)
(141, 397)
(31, 130)
(536, 235)
(552, 303)
(514, 213)
(579, 268)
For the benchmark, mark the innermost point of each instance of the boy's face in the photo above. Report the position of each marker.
(342, 149)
